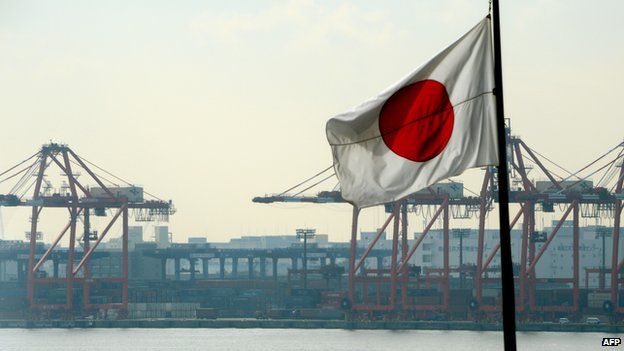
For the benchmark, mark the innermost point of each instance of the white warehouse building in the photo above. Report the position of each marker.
(556, 262)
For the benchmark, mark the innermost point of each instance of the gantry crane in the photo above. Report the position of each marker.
(81, 201)
(578, 196)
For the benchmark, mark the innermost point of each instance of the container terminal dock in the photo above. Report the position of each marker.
(441, 277)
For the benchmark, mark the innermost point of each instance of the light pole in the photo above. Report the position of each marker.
(603, 232)
(461, 233)
(305, 234)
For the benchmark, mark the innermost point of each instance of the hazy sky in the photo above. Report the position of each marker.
(213, 103)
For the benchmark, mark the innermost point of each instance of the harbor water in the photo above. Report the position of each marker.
(285, 340)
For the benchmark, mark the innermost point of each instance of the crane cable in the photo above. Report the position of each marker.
(619, 180)
(19, 164)
(551, 161)
(610, 173)
(24, 178)
(34, 180)
(97, 174)
(307, 180)
(594, 162)
(19, 172)
(116, 177)
(591, 174)
(315, 184)
(531, 161)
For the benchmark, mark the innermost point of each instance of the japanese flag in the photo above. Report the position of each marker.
(433, 124)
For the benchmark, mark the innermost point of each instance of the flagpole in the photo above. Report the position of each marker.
(507, 281)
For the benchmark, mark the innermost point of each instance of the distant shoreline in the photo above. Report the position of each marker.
(305, 324)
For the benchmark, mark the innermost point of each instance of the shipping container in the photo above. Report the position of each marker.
(575, 185)
(453, 189)
(597, 299)
(207, 313)
(132, 193)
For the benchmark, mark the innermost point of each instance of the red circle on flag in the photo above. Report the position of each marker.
(416, 122)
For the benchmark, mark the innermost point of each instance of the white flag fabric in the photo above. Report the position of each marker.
(433, 124)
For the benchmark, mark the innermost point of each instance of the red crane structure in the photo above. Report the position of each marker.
(573, 194)
(579, 198)
(81, 202)
(399, 276)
